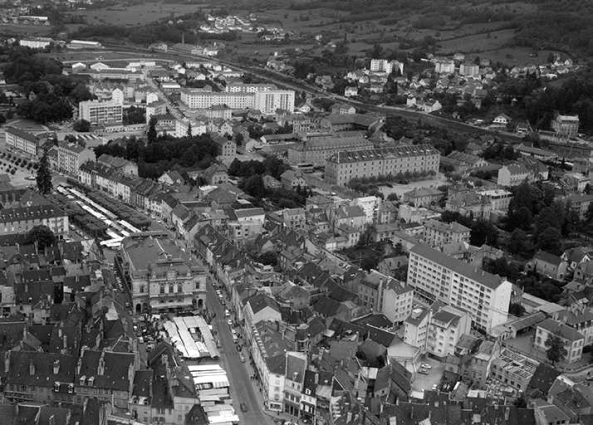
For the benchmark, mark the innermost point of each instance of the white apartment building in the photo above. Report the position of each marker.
(97, 112)
(573, 340)
(248, 88)
(181, 127)
(36, 42)
(416, 327)
(21, 140)
(446, 327)
(397, 300)
(500, 199)
(197, 99)
(71, 156)
(268, 102)
(436, 276)
(386, 66)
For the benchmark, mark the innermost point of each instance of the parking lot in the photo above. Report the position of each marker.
(429, 381)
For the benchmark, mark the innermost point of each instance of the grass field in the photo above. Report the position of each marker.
(29, 30)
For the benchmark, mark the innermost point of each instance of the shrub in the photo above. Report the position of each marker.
(12, 172)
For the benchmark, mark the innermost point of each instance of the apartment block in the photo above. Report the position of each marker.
(514, 369)
(343, 166)
(447, 325)
(71, 156)
(437, 233)
(436, 276)
(23, 219)
(248, 88)
(97, 112)
(573, 340)
(268, 102)
(22, 141)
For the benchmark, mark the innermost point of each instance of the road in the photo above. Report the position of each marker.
(242, 389)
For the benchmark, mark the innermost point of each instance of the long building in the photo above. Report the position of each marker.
(317, 149)
(97, 112)
(344, 166)
(22, 141)
(266, 101)
(22, 219)
(437, 277)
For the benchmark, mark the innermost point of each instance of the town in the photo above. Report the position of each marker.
(189, 242)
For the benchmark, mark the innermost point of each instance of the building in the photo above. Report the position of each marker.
(71, 156)
(513, 175)
(36, 42)
(468, 69)
(416, 327)
(160, 275)
(118, 164)
(397, 300)
(566, 126)
(513, 369)
(22, 141)
(23, 219)
(423, 196)
(97, 112)
(573, 340)
(227, 149)
(437, 233)
(248, 88)
(500, 199)
(317, 149)
(447, 325)
(436, 276)
(412, 160)
(199, 99)
(268, 102)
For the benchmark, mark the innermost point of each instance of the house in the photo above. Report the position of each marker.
(292, 180)
(572, 339)
(350, 91)
(576, 256)
(258, 308)
(423, 196)
(397, 300)
(171, 178)
(227, 149)
(549, 265)
(513, 175)
(501, 121)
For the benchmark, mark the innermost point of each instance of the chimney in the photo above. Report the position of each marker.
(31, 368)
(101, 365)
(56, 367)
(79, 365)
(60, 333)
(507, 412)
(348, 417)
(6, 361)
(65, 341)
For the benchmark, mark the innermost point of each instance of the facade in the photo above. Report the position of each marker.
(500, 199)
(198, 99)
(36, 42)
(248, 88)
(397, 300)
(437, 233)
(513, 175)
(97, 112)
(447, 326)
(416, 327)
(22, 141)
(513, 369)
(160, 275)
(409, 159)
(23, 219)
(436, 276)
(573, 340)
(566, 125)
(315, 150)
(268, 102)
(71, 156)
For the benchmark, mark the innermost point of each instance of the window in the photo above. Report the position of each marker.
(162, 290)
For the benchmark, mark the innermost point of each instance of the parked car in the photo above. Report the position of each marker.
(244, 407)
(230, 322)
(426, 366)
(242, 357)
(227, 313)
(423, 371)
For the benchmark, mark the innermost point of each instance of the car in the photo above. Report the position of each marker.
(423, 371)
(227, 313)
(243, 407)
(426, 366)
(230, 322)
(242, 357)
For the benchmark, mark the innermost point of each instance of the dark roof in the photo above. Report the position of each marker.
(543, 378)
(115, 369)
(37, 369)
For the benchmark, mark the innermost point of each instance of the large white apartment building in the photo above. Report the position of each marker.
(266, 101)
(248, 88)
(97, 112)
(436, 276)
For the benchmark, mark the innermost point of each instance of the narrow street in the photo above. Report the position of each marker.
(242, 387)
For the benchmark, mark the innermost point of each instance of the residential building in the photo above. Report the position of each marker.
(200, 99)
(258, 308)
(404, 160)
(573, 340)
(227, 149)
(579, 203)
(296, 365)
(160, 275)
(423, 196)
(580, 318)
(318, 148)
(447, 325)
(97, 112)
(292, 180)
(118, 164)
(22, 141)
(549, 265)
(416, 327)
(36, 42)
(248, 87)
(500, 199)
(565, 126)
(436, 233)
(22, 219)
(397, 300)
(268, 102)
(436, 276)
(71, 156)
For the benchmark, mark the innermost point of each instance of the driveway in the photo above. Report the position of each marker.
(426, 382)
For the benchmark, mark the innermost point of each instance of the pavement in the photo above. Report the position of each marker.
(243, 389)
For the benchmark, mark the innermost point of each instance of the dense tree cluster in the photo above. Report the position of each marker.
(134, 115)
(270, 165)
(164, 153)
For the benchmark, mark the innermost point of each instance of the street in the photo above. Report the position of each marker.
(242, 389)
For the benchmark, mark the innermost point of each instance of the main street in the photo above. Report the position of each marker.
(242, 387)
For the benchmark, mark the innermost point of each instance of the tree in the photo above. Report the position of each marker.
(518, 243)
(556, 350)
(82, 126)
(254, 186)
(151, 134)
(42, 235)
(549, 240)
(43, 178)
(189, 129)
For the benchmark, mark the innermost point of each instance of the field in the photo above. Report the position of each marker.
(138, 14)
(28, 30)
